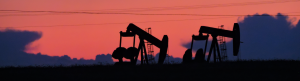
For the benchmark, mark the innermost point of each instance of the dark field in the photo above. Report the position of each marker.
(279, 70)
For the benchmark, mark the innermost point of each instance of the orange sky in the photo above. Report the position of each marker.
(87, 41)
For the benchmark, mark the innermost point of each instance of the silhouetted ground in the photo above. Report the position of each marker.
(279, 70)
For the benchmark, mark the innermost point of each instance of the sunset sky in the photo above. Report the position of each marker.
(86, 35)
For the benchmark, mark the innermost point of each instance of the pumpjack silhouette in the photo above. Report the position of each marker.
(133, 52)
(214, 32)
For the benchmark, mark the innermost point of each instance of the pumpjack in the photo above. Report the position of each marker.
(214, 32)
(132, 53)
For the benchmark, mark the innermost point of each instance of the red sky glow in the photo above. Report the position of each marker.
(102, 37)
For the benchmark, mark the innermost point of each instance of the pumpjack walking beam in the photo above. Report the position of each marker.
(133, 30)
(163, 44)
(235, 35)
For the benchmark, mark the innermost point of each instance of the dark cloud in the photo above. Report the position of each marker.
(104, 58)
(170, 59)
(264, 37)
(14, 40)
(12, 45)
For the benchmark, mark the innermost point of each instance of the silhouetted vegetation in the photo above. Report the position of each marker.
(255, 61)
(281, 70)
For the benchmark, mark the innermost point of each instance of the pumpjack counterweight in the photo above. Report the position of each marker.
(214, 32)
(132, 54)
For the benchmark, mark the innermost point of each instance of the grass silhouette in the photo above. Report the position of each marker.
(278, 70)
